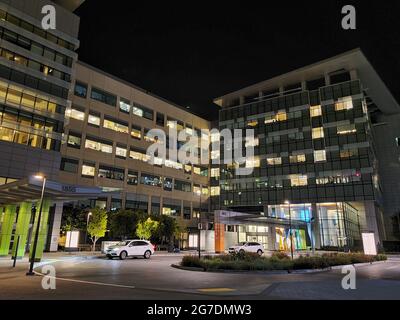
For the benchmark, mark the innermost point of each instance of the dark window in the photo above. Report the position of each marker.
(150, 180)
(132, 178)
(340, 77)
(74, 140)
(80, 89)
(182, 186)
(102, 96)
(148, 113)
(160, 119)
(167, 184)
(69, 165)
(111, 173)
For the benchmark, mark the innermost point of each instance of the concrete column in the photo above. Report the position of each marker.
(22, 229)
(353, 74)
(55, 229)
(272, 238)
(370, 224)
(304, 85)
(327, 80)
(42, 230)
(7, 228)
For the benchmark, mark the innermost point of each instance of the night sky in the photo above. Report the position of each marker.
(191, 52)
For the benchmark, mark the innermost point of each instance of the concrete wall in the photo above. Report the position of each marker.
(66, 22)
(388, 154)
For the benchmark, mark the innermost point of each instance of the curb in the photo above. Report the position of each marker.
(250, 271)
(305, 271)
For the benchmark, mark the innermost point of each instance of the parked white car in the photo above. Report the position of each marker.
(253, 247)
(130, 248)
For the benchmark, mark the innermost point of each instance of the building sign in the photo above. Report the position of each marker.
(369, 244)
(71, 189)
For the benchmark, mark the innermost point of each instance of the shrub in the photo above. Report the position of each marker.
(280, 256)
(278, 261)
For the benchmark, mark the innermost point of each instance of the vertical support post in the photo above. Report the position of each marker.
(42, 236)
(7, 228)
(22, 229)
(16, 249)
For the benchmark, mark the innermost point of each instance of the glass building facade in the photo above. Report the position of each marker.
(312, 147)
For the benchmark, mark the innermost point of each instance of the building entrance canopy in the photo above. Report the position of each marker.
(29, 189)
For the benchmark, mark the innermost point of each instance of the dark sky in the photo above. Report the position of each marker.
(193, 51)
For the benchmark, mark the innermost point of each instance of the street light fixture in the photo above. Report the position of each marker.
(290, 229)
(87, 225)
(43, 178)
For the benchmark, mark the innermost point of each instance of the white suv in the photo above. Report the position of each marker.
(253, 247)
(133, 248)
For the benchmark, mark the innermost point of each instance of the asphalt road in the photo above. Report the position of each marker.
(98, 278)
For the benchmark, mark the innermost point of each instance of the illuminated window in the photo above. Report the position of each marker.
(317, 133)
(124, 105)
(94, 119)
(139, 154)
(346, 129)
(274, 161)
(196, 170)
(76, 114)
(204, 191)
(319, 156)
(116, 126)
(88, 170)
(344, 104)
(298, 181)
(280, 116)
(345, 154)
(300, 158)
(136, 132)
(214, 172)
(215, 191)
(94, 144)
(253, 163)
(196, 189)
(315, 111)
(137, 111)
(121, 152)
(188, 169)
(252, 123)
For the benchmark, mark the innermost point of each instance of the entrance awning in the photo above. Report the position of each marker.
(29, 189)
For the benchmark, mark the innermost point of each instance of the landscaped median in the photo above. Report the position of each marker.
(278, 261)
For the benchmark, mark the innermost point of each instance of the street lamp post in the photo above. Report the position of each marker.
(30, 272)
(290, 230)
(87, 225)
(200, 227)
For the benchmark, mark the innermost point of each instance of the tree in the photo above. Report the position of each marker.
(166, 230)
(73, 218)
(124, 222)
(97, 226)
(145, 229)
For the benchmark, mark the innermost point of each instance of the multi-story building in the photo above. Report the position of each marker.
(315, 163)
(105, 146)
(36, 68)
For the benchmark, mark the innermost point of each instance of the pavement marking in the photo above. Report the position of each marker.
(88, 282)
(216, 290)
